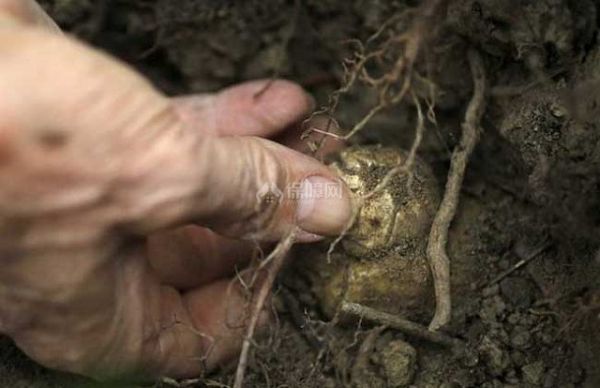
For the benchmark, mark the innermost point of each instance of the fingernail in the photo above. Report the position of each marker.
(324, 206)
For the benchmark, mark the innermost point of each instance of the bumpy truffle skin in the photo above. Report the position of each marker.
(400, 213)
(382, 262)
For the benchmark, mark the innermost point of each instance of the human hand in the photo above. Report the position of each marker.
(94, 166)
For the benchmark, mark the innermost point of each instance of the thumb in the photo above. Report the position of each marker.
(255, 188)
(100, 142)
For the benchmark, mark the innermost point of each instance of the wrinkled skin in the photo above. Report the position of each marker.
(94, 166)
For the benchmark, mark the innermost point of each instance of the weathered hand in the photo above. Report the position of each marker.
(93, 160)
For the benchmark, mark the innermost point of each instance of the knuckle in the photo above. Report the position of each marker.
(265, 182)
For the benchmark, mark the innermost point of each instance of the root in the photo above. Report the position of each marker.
(407, 166)
(405, 326)
(401, 73)
(397, 76)
(275, 262)
(361, 363)
(392, 86)
(300, 320)
(438, 237)
(520, 264)
(403, 168)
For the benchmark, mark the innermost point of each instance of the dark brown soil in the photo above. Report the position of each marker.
(533, 181)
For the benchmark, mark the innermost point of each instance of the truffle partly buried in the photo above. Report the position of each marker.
(381, 262)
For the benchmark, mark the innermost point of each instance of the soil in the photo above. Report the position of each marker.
(532, 190)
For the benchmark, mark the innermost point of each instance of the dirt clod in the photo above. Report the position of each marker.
(398, 360)
(534, 372)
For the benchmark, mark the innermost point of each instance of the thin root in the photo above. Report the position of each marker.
(396, 82)
(438, 237)
(276, 260)
(395, 322)
(520, 264)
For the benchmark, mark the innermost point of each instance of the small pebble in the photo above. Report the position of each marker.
(533, 373)
(549, 381)
(511, 377)
(495, 357)
(520, 292)
(518, 357)
(520, 340)
(514, 318)
(399, 361)
(490, 291)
